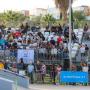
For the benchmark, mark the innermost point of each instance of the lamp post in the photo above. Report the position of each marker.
(70, 31)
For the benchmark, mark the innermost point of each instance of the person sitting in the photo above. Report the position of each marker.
(1, 65)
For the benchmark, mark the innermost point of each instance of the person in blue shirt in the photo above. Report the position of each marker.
(2, 43)
(30, 70)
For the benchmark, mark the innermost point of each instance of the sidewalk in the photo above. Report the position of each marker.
(57, 87)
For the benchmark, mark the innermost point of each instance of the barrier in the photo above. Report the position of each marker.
(74, 77)
(21, 80)
(89, 77)
(6, 84)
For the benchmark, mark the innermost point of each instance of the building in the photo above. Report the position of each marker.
(54, 12)
(85, 9)
(79, 8)
(25, 12)
(39, 11)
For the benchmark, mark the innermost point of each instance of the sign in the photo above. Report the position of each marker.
(27, 55)
(74, 77)
(22, 72)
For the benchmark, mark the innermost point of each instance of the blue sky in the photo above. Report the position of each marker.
(31, 4)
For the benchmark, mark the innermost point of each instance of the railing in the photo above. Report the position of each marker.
(6, 84)
(44, 57)
(49, 78)
(18, 79)
(12, 55)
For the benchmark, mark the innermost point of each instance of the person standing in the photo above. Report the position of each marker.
(30, 72)
(59, 68)
(20, 66)
(85, 67)
(82, 51)
(86, 28)
(43, 72)
(86, 50)
(53, 73)
(60, 30)
(26, 28)
(38, 70)
(22, 27)
(85, 31)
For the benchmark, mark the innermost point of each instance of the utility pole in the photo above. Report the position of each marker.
(70, 31)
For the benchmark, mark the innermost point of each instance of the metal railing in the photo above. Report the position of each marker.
(16, 78)
(48, 78)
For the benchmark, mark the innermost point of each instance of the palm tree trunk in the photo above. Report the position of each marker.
(64, 16)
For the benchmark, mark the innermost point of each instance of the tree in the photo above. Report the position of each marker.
(79, 18)
(36, 20)
(63, 7)
(49, 19)
(43, 21)
(11, 18)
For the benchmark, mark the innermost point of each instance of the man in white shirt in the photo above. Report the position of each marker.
(85, 68)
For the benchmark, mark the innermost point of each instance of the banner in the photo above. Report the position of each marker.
(74, 77)
(27, 55)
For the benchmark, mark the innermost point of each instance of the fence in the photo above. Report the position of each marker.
(8, 55)
(77, 77)
(42, 54)
(38, 55)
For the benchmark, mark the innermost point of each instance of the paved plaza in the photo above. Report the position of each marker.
(55, 87)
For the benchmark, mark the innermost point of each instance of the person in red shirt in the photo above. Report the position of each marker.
(17, 34)
(59, 40)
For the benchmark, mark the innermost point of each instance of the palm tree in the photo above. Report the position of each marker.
(49, 19)
(11, 18)
(63, 7)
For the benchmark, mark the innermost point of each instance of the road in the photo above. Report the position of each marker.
(54, 87)
(58, 87)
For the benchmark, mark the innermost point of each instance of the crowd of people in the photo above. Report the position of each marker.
(51, 44)
(48, 45)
